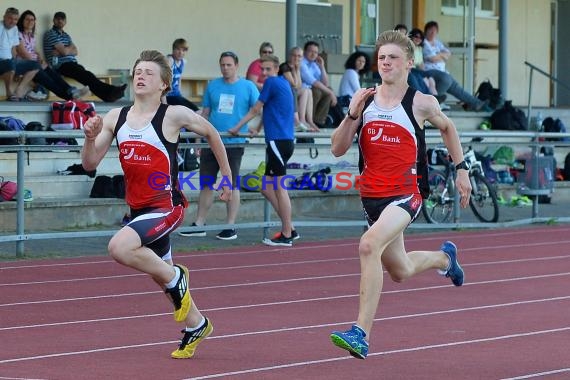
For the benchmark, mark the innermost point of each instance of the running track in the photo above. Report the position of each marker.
(273, 310)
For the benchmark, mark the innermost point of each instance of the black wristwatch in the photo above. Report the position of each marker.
(463, 165)
(350, 116)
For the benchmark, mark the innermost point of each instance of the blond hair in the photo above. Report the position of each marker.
(396, 38)
(162, 62)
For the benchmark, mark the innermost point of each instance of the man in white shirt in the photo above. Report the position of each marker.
(9, 66)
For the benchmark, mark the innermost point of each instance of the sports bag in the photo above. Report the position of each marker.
(8, 190)
(71, 114)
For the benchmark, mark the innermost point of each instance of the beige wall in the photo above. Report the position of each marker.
(111, 34)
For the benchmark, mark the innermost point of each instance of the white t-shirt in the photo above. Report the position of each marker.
(350, 83)
(8, 39)
(433, 49)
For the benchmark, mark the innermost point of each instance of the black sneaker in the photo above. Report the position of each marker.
(192, 233)
(279, 241)
(228, 234)
(180, 295)
(294, 235)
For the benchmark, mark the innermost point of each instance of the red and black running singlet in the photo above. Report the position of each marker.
(149, 163)
(389, 141)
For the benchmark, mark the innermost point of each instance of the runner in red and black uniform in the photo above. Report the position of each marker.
(147, 134)
(389, 132)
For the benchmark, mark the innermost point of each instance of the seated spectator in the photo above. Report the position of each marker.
(402, 29)
(357, 64)
(177, 63)
(254, 72)
(9, 66)
(291, 70)
(61, 54)
(315, 76)
(435, 55)
(415, 79)
(417, 37)
(46, 77)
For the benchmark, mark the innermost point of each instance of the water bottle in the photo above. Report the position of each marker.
(538, 121)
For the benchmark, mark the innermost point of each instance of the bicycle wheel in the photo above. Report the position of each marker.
(438, 207)
(483, 200)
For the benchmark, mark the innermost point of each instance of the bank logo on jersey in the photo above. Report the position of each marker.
(378, 135)
(130, 155)
(127, 155)
(372, 132)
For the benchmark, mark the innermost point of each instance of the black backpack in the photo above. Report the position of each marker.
(554, 126)
(486, 91)
(509, 118)
(105, 186)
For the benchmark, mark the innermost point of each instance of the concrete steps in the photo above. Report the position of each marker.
(62, 202)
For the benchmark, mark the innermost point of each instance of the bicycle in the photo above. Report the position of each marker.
(438, 207)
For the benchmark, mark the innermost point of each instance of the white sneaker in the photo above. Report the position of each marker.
(301, 127)
(81, 92)
(444, 107)
(36, 95)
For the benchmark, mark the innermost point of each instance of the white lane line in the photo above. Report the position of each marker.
(287, 281)
(253, 266)
(280, 303)
(419, 348)
(409, 239)
(538, 374)
(384, 353)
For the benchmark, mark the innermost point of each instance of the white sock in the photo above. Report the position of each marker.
(443, 272)
(190, 329)
(173, 282)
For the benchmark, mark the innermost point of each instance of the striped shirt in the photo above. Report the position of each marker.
(53, 37)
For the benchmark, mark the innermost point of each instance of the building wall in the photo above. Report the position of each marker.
(212, 26)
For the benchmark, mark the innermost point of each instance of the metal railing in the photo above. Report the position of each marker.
(532, 139)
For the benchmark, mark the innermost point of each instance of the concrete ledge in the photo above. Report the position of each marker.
(66, 214)
(69, 214)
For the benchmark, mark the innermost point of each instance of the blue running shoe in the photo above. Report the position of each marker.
(352, 341)
(454, 271)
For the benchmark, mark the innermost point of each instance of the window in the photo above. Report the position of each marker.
(483, 8)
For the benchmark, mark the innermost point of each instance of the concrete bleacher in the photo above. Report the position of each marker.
(53, 192)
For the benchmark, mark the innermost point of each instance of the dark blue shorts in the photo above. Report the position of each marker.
(373, 207)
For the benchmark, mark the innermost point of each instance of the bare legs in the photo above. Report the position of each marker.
(383, 245)
(306, 108)
(206, 200)
(279, 199)
(125, 248)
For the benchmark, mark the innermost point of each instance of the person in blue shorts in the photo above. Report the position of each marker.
(276, 100)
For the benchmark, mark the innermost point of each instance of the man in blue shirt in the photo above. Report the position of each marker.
(276, 100)
(226, 100)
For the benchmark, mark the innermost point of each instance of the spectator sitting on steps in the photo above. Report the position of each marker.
(46, 78)
(61, 54)
(9, 66)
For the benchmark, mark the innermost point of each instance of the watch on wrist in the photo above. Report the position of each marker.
(348, 114)
(462, 165)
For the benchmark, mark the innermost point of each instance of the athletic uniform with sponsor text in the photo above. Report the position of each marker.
(388, 141)
(150, 166)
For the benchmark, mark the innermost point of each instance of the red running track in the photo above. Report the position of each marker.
(273, 310)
